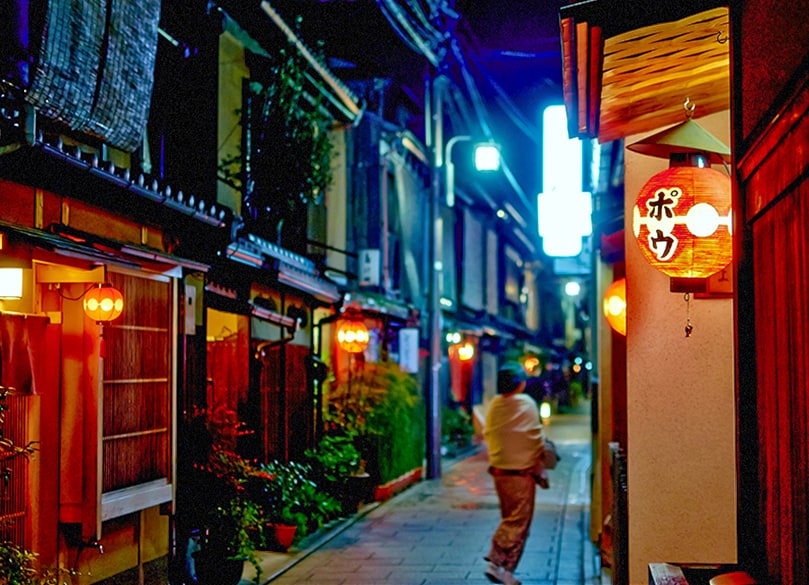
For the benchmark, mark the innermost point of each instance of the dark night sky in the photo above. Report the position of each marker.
(511, 44)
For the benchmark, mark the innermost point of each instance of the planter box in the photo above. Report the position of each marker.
(393, 487)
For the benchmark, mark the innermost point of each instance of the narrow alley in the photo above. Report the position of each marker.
(437, 532)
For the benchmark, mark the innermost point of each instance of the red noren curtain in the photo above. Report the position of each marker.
(781, 259)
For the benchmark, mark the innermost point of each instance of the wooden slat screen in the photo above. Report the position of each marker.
(12, 492)
(137, 385)
(287, 411)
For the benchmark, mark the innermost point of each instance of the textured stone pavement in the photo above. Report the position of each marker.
(437, 532)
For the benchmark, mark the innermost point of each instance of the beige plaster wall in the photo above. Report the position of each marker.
(681, 414)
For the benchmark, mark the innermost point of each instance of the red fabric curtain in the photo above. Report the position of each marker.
(22, 340)
(781, 260)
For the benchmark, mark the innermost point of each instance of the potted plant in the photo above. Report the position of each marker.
(291, 498)
(227, 516)
(340, 470)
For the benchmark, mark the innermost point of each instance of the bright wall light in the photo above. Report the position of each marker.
(10, 283)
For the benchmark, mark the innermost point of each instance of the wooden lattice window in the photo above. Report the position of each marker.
(136, 397)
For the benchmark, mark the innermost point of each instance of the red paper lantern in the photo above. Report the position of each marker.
(614, 305)
(466, 351)
(682, 221)
(104, 303)
(353, 336)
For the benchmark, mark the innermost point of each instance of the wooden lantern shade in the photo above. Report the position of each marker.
(104, 303)
(614, 305)
(353, 336)
(682, 221)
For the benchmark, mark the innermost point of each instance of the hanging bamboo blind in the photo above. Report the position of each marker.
(649, 72)
(137, 388)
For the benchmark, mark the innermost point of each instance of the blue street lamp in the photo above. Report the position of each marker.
(487, 158)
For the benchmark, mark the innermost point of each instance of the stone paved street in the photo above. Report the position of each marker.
(437, 532)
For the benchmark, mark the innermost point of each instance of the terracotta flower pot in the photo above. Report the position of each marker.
(280, 536)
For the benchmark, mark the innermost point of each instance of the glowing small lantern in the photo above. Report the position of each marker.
(103, 303)
(466, 352)
(682, 221)
(614, 305)
(545, 410)
(353, 336)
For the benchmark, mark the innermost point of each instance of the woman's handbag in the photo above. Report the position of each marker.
(551, 456)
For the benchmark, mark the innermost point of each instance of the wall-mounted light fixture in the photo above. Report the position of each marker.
(11, 283)
(103, 303)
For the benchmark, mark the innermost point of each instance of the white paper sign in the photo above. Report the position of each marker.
(369, 267)
(409, 349)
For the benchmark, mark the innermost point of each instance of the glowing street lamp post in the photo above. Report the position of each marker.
(487, 158)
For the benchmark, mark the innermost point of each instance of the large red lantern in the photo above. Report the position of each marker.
(103, 303)
(353, 336)
(682, 221)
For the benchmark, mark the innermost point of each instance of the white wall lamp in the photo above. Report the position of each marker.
(10, 283)
(487, 159)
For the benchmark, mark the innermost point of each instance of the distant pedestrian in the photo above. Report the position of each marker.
(515, 441)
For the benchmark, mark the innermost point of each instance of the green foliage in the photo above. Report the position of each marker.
(229, 515)
(19, 566)
(456, 424)
(291, 153)
(335, 461)
(293, 497)
(383, 408)
(335, 458)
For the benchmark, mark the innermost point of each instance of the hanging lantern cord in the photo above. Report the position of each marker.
(688, 327)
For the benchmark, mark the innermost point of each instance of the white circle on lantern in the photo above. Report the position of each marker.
(702, 220)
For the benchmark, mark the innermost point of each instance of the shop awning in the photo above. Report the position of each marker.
(293, 270)
(69, 242)
(371, 302)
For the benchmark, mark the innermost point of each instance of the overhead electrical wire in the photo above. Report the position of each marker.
(419, 35)
(407, 30)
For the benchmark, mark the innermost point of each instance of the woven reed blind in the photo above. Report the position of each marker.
(95, 71)
(137, 385)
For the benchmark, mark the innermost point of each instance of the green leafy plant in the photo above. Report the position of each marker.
(335, 458)
(293, 497)
(456, 425)
(229, 515)
(340, 470)
(291, 153)
(382, 407)
(18, 565)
